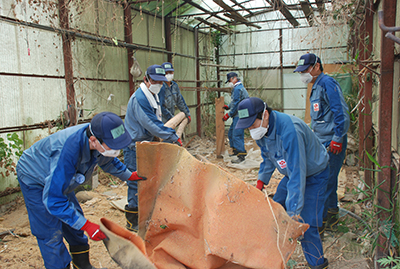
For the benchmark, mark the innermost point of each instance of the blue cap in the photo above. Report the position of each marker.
(167, 66)
(248, 110)
(306, 61)
(156, 72)
(230, 75)
(110, 129)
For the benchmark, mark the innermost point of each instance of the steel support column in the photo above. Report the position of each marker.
(128, 39)
(367, 114)
(198, 84)
(361, 78)
(385, 122)
(168, 42)
(67, 53)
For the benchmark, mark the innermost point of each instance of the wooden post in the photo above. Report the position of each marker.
(220, 125)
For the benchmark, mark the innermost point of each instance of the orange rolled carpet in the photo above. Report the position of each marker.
(196, 215)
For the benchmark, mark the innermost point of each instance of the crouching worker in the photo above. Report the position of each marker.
(50, 170)
(290, 146)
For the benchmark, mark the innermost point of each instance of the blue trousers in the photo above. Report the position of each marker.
(130, 162)
(236, 136)
(50, 230)
(335, 164)
(314, 198)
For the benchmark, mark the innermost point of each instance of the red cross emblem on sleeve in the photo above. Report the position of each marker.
(316, 107)
(282, 164)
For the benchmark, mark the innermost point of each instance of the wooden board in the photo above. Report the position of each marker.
(219, 125)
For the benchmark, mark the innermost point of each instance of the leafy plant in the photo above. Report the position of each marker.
(381, 227)
(393, 261)
(10, 151)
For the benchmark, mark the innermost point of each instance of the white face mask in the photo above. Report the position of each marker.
(231, 85)
(109, 152)
(169, 77)
(306, 77)
(258, 133)
(155, 88)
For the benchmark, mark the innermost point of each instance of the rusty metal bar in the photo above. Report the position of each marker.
(67, 52)
(281, 6)
(212, 25)
(320, 5)
(368, 132)
(308, 12)
(385, 122)
(382, 24)
(235, 15)
(205, 10)
(241, 6)
(198, 96)
(128, 39)
(393, 37)
(102, 39)
(168, 41)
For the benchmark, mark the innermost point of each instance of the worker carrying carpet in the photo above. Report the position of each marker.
(289, 145)
(50, 170)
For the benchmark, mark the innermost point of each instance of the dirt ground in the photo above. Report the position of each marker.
(344, 249)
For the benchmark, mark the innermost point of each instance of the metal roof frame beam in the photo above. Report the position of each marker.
(212, 25)
(308, 12)
(282, 7)
(205, 10)
(320, 5)
(235, 15)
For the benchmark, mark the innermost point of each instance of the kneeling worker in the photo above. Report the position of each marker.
(289, 145)
(50, 170)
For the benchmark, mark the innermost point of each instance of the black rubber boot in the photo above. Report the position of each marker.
(332, 219)
(234, 153)
(321, 266)
(80, 257)
(240, 158)
(131, 215)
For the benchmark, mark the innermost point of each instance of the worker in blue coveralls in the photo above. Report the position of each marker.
(170, 96)
(143, 122)
(50, 170)
(289, 145)
(236, 136)
(330, 121)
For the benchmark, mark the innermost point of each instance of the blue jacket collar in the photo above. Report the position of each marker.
(318, 79)
(271, 129)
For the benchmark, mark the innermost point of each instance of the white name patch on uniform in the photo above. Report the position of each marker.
(282, 163)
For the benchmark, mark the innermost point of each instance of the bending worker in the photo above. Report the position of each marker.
(143, 122)
(330, 121)
(289, 145)
(170, 96)
(236, 136)
(50, 170)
